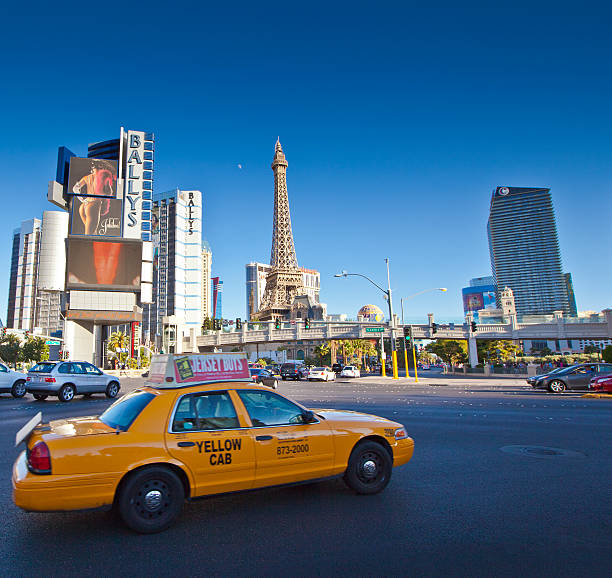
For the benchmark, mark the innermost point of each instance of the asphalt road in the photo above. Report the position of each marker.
(474, 501)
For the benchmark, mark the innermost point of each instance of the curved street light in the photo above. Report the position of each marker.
(387, 293)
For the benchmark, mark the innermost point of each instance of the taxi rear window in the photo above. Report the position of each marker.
(123, 412)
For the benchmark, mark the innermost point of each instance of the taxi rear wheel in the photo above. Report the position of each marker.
(369, 468)
(151, 499)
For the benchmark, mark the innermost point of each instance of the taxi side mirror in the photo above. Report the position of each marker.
(308, 416)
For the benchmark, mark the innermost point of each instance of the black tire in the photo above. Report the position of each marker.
(112, 389)
(556, 386)
(67, 393)
(151, 499)
(19, 388)
(40, 396)
(369, 468)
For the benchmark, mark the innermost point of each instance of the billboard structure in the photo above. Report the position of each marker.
(104, 264)
(477, 298)
(96, 216)
(92, 178)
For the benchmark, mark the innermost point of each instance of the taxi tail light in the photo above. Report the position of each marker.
(50, 379)
(400, 433)
(39, 459)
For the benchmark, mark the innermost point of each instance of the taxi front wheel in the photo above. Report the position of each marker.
(151, 499)
(369, 468)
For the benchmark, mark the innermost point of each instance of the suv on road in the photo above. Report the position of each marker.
(290, 371)
(69, 378)
(13, 382)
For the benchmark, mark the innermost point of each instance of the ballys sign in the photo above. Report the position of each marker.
(132, 204)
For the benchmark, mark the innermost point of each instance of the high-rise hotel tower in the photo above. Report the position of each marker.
(524, 250)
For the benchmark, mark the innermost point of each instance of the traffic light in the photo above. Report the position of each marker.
(4, 332)
(434, 328)
(474, 327)
(277, 324)
(408, 334)
(306, 323)
(238, 323)
(27, 335)
(217, 324)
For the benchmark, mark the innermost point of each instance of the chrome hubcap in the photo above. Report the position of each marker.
(369, 468)
(153, 500)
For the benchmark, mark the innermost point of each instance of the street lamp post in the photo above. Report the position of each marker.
(416, 375)
(387, 293)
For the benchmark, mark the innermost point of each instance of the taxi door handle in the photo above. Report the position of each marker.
(263, 438)
(185, 444)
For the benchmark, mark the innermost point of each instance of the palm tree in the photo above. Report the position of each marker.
(119, 340)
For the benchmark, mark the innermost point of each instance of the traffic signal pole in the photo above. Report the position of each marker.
(391, 324)
(416, 374)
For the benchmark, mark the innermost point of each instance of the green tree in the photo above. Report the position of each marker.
(322, 354)
(10, 348)
(119, 340)
(449, 350)
(591, 349)
(607, 354)
(34, 349)
(498, 351)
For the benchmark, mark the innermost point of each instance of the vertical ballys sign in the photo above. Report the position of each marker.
(138, 187)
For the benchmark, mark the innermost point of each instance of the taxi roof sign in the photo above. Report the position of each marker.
(181, 370)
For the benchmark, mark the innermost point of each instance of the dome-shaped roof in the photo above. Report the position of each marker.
(371, 313)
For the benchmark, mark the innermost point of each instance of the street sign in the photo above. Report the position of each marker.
(52, 342)
(374, 329)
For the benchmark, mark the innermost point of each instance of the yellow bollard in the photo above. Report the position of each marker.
(394, 361)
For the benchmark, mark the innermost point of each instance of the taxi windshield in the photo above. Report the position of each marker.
(124, 411)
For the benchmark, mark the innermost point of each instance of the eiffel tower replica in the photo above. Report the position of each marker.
(284, 282)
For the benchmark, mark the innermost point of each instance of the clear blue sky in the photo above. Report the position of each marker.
(397, 120)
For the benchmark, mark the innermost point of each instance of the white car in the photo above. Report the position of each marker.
(350, 371)
(322, 374)
(12, 382)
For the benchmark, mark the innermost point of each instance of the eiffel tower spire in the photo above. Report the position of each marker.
(283, 249)
(284, 282)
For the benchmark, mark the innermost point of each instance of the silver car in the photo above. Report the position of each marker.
(69, 378)
(12, 382)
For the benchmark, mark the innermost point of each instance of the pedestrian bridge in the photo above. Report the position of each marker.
(265, 332)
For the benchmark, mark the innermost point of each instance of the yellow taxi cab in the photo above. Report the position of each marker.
(199, 427)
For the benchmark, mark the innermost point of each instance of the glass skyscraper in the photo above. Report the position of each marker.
(524, 250)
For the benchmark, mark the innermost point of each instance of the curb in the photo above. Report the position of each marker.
(597, 395)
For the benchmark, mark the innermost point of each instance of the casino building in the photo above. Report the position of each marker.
(524, 250)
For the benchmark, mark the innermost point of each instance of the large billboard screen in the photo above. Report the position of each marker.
(476, 298)
(96, 216)
(105, 264)
(92, 178)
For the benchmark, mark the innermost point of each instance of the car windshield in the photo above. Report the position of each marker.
(42, 368)
(565, 370)
(256, 371)
(124, 411)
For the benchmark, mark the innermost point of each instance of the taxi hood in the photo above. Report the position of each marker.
(334, 415)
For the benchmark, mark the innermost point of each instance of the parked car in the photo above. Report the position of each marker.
(337, 367)
(574, 377)
(350, 371)
(65, 379)
(264, 377)
(290, 371)
(321, 374)
(13, 382)
(602, 384)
